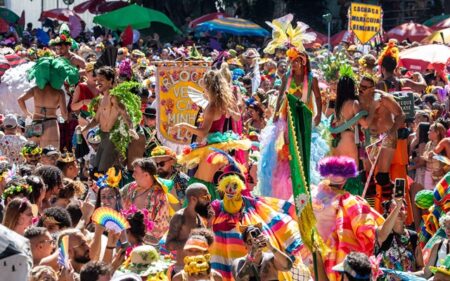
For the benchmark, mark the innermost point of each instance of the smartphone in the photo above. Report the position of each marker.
(399, 191)
(255, 233)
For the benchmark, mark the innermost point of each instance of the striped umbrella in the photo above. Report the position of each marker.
(235, 26)
(8, 61)
(206, 17)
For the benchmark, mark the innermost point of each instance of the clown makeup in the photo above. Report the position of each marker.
(231, 190)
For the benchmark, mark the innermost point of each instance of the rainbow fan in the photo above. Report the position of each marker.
(110, 219)
(63, 257)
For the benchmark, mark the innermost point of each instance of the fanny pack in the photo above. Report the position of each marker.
(36, 129)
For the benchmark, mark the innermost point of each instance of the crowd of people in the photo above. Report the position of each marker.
(304, 164)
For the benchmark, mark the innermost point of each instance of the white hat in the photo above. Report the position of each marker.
(10, 121)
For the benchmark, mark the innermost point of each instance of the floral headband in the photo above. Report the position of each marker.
(62, 39)
(27, 150)
(16, 189)
(149, 224)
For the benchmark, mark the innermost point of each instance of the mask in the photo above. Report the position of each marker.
(196, 264)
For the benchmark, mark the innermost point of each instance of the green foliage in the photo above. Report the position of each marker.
(120, 135)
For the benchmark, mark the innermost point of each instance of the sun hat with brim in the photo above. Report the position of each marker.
(345, 267)
(145, 261)
(444, 268)
(163, 151)
(196, 243)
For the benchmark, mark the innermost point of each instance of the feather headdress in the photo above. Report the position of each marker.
(284, 35)
(390, 50)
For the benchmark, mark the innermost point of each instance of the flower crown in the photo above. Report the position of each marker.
(62, 39)
(110, 179)
(149, 224)
(27, 150)
(17, 189)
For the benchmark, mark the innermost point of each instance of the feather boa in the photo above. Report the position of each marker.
(13, 84)
(267, 161)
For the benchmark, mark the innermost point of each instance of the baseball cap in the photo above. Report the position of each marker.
(50, 150)
(10, 121)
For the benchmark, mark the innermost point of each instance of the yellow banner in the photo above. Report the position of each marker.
(175, 106)
(365, 21)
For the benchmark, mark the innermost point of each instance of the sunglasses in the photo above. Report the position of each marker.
(364, 87)
(162, 163)
(206, 197)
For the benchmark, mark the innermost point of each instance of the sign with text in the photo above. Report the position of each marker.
(174, 104)
(365, 21)
(406, 102)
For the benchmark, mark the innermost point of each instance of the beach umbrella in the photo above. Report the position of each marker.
(8, 15)
(110, 6)
(342, 36)
(206, 17)
(235, 26)
(436, 19)
(61, 14)
(4, 26)
(135, 16)
(438, 36)
(432, 56)
(8, 61)
(442, 24)
(409, 31)
(90, 5)
(320, 38)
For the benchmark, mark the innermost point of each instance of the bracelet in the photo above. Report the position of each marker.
(110, 247)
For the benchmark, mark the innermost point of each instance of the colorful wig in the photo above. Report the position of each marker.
(338, 166)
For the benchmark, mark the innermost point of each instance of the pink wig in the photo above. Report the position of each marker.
(338, 166)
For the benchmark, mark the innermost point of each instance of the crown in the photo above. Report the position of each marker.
(67, 157)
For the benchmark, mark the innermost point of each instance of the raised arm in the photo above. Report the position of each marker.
(417, 86)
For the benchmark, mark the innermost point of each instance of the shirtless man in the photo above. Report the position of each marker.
(62, 49)
(257, 263)
(390, 83)
(187, 219)
(46, 103)
(385, 118)
(108, 112)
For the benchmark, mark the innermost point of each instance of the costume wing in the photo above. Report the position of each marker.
(298, 35)
(197, 97)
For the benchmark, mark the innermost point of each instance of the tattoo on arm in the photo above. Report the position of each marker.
(172, 242)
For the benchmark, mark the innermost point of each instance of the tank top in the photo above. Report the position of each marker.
(218, 125)
(85, 94)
